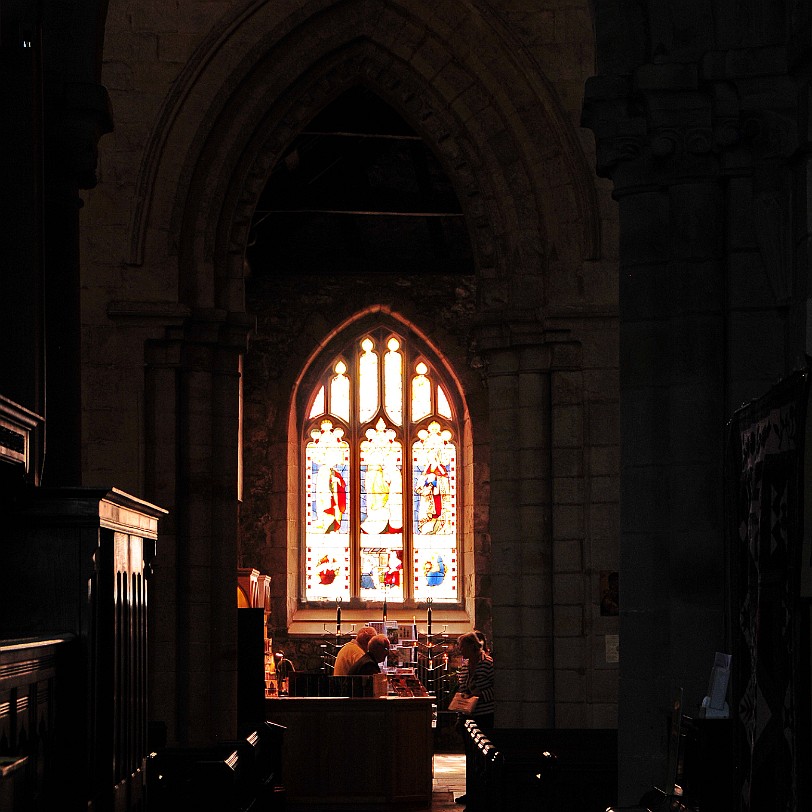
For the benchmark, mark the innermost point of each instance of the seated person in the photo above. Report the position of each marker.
(351, 652)
(377, 652)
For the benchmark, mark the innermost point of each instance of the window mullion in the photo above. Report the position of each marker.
(355, 524)
(408, 549)
(355, 455)
(408, 555)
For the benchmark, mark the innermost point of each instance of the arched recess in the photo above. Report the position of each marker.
(502, 136)
(351, 330)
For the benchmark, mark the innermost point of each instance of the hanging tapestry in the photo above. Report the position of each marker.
(769, 618)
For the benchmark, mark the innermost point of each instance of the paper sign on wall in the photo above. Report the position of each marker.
(612, 648)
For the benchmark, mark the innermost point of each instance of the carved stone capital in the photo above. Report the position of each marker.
(504, 329)
(669, 122)
(769, 135)
(619, 124)
(525, 338)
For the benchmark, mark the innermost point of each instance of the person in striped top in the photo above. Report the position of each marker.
(476, 678)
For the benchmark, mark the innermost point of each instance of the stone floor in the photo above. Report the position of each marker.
(449, 781)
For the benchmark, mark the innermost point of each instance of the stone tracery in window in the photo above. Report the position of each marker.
(381, 502)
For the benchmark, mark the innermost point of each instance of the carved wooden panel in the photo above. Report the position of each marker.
(77, 562)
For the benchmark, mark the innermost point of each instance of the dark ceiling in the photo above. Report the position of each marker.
(358, 191)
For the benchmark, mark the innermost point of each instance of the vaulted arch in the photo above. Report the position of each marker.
(483, 108)
(515, 162)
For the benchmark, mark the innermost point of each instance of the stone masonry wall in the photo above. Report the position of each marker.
(205, 96)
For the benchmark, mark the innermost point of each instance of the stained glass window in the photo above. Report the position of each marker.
(381, 450)
(340, 392)
(368, 383)
(421, 393)
(328, 510)
(393, 382)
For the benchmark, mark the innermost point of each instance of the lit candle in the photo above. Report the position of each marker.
(384, 608)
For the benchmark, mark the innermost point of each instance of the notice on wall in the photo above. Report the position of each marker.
(612, 648)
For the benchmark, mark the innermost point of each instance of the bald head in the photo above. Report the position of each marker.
(363, 637)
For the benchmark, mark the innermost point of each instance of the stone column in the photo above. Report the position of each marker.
(674, 356)
(519, 399)
(524, 584)
(193, 428)
(161, 410)
(672, 352)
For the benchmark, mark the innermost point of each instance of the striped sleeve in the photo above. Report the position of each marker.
(479, 682)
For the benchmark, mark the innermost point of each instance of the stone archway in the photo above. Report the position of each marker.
(473, 92)
(500, 136)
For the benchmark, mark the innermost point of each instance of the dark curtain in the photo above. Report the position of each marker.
(770, 686)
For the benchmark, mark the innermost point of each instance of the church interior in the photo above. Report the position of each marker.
(440, 316)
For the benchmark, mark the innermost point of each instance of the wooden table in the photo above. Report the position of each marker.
(361, 754)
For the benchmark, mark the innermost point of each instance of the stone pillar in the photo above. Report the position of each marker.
(672, 357)
(163, 362)
(520, 512)
(706, 320)
(193, 406)
(672, 352)
(224, 513)
(525, 585)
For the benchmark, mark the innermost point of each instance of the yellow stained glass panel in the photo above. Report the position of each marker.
(318, 404)
(381, 513)
(393, 382)
(367, 381)
(340, 392)
(443, 407)
(421, 393)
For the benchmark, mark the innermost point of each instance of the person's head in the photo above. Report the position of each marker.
(482, 639)
(378, 647)
(364, 635)
(469, 645)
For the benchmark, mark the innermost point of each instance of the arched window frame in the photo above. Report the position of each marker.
(353, 431)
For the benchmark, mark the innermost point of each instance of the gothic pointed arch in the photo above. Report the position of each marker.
(526, 187)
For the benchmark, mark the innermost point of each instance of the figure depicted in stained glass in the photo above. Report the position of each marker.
(377, 397)
(434, 570)
(430, 488)
(368, 566)
(384, 504)
(337, 501)
(382, 483)
(327, 570)
(432, 484)
(394, 566)
(328, 454)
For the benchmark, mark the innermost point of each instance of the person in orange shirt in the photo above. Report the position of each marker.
(352, 651)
